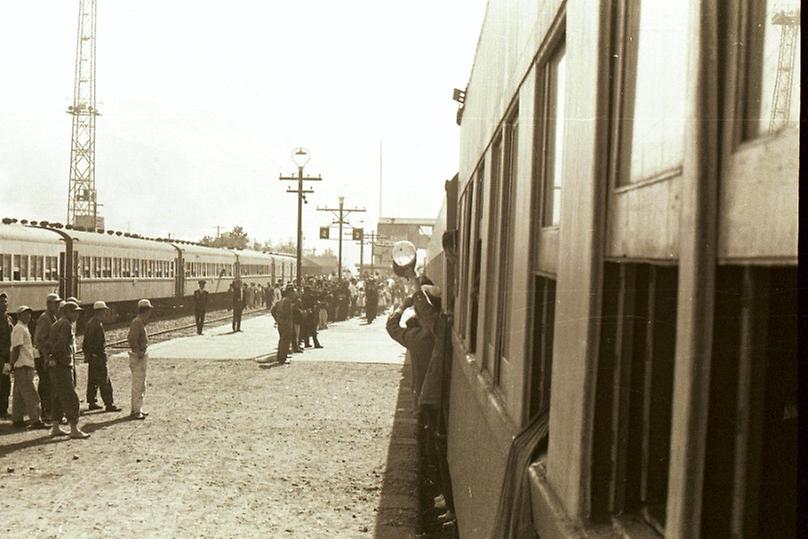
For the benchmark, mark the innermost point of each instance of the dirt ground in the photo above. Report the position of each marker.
(230, 449)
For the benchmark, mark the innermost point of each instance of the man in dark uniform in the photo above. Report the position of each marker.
(94, 346)
(5, 359)
(238, 303)
(371, 300)
(283, 314)
(311, 317)
(200, 306)
(60, 368)
(43, 325)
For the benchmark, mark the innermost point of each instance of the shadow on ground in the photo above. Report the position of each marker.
(398, 507)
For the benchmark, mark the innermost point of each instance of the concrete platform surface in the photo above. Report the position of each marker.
(352, 341)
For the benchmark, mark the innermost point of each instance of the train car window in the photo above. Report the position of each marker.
(464, 231)
(541, 364)
(770, 84)
(15, 267)
(551, 128)
(136, 267)
(634, 395)
(506, 284)
(24, 276)
(5, 267)
(107, 267)
(477, 245)
(653, 48)
(492, 264)
(96, 267)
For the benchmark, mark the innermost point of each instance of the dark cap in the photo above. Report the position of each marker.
(202, 281)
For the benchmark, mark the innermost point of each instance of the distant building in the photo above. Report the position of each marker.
(393, 229)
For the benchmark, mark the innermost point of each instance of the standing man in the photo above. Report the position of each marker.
(371, 300)
(26, 399)
(200, 306)
(5, 360)
(283, 314)
(43, 325)
(139, 357)
(94, 346)
(238, 303)
(60, 368)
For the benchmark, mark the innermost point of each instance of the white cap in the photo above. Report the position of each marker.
(144, 304)
(99, 305)
(22, 308)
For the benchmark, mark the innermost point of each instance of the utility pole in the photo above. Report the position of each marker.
(81, 202)
(340, 214)
(374, 237)
(300, 156)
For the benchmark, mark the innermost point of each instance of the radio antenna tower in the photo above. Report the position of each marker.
(789, 23)
(82, 206)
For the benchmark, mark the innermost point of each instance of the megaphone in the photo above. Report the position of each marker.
(404, 258)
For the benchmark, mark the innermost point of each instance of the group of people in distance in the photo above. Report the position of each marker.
(43, 366)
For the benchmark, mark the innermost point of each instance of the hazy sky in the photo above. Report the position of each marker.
(203, 102)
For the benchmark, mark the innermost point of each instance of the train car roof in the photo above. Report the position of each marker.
(209, 253)
(97, 239)
(17, 232)
(248, 255)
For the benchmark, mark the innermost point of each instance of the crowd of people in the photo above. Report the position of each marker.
(43, 365)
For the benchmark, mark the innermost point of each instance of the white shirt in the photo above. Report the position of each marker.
(20, 336)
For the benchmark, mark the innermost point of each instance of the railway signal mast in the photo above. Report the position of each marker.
(82, 204)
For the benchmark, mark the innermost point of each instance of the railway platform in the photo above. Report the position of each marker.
(234, 446)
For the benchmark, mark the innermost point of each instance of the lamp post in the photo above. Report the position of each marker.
(300, 156)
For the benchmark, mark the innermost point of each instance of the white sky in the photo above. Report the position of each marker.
(203, 102)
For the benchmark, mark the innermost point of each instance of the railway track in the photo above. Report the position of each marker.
(163, 332)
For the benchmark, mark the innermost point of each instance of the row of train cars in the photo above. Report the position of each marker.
(37, 258)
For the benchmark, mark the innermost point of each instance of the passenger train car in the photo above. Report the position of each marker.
(627, 223)
(121, 268)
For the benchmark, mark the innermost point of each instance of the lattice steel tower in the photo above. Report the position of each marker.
(789, 23)
(82, 206)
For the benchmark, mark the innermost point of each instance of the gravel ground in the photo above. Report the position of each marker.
(231, 449)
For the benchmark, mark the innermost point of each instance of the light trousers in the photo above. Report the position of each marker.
(137, 365)
(25, 398)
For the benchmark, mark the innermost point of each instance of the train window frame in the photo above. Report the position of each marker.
(546, 132)
(748, 51)
(507, 219)
(638, 301)
(624, 37)
(475, 273)
(491, 271)
(464, 234)
(5, 267)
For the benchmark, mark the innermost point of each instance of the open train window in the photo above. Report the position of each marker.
(769, 66)
(541, 364)
(505, 238)
(750, 469)
(634, 392)
(465, 231)
(651, 45)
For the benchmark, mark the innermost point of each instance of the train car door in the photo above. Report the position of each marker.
(73, 288)
(272, 271)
